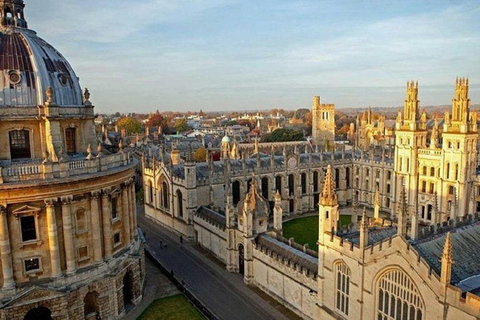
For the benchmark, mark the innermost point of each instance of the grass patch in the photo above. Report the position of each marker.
(305, 230)
(171, 308)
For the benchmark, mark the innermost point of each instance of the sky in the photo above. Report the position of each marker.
(217, 55)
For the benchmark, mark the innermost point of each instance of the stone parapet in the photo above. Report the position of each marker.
(36, 170)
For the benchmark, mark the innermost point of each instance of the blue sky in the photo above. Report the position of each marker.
(143, 55)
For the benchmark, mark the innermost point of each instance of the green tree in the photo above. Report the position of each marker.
(283, 135)
(200, 155)
(181, 125)
(131, 124)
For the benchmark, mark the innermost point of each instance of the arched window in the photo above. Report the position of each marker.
(265, 187)
(150, 192)
(337, 178)
(432, 171)
(278, 183)
(19, 144)
(165, 199)
(180, 203)
(342, 288)
(236, 192)
(424, 171)
(291, 184)
(447, 172)
(347, 177)
(424, 186)
(398, 297)
(456, 171)
(90, 305)
(315, 181)
(304, 182)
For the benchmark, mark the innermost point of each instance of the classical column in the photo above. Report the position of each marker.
(126, 215)
(107, 224)
(56, 270)
(68, 235)
(96, 223)
(5, 252)
(133, 213)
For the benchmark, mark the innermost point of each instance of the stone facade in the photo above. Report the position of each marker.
(207, 202)
(69, 246)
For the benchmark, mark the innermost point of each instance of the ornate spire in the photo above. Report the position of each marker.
(11, 13)
(364, 229)
(447, 260)
(328, 197)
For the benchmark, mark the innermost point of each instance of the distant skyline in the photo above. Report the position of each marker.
(216, 55)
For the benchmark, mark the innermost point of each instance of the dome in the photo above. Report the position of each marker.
(30, 65)
(226, 139)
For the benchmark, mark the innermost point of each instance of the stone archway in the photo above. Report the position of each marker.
(40, 313)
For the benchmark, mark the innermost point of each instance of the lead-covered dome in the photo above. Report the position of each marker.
(29, 65)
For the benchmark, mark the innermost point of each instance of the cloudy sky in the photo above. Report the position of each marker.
(143, 55)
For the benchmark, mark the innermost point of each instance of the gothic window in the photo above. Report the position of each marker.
(451, 189)
(304, 183)
(165, 200)
(347, 177)
(432, 171)
(150, 192)
(389, 175)
(388, 188)
(315, 181)
(19, 144)
(342, 288)
(424, 170)
(291, 184)
(429, 212)
(180, 203)
(265, 187)
(337, 178)
(70, 140)
(278, 183)
(398, 297)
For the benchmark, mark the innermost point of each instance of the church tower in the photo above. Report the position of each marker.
(410, 136)
(459, 147)
(323, 123)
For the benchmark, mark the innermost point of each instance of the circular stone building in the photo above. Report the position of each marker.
(69, 245)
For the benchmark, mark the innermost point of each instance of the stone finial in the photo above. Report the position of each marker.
(99, 150)
(447, 260)
(86, 97)
(89, 152)
(50, 96)
(328, 196)
(364, 222)
(120, 145)
(364, 229)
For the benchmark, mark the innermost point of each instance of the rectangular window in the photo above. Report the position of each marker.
(116, 238)
(31, 264)
(114, 209)
(29, 231)
(83, 253)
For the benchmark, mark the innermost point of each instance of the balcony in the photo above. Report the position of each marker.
(78, 165)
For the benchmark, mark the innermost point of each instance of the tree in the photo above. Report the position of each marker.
(282, 135)
(181, 125)
(132, 125)
(157, 119)
(200, 155)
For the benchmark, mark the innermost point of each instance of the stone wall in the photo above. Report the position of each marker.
(212, 238)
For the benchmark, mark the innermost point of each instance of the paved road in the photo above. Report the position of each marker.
(224, 293)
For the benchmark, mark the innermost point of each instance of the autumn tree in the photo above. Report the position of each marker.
(200, 155)
(131, 125)
(156, 119)
(181, 125)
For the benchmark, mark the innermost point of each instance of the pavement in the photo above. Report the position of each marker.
(222, 292)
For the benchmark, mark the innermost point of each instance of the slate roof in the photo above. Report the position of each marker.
(466, 255)
(287, 252)
(374, 235)
(211, 216)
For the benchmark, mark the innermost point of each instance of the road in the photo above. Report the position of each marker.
(222, 292)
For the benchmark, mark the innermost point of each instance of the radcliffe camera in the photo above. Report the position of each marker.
(239, 160)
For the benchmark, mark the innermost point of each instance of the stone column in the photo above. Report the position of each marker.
(133, 211)
(126, 215)
(5, 251)
(68, 234)
(96, 223)
(107, 224)
(56, 270)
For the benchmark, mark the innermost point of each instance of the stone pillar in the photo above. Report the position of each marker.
(68, 235)
(126, 215)
(107, 224)
(56, 270)
(5, 251)
(96, 223)
(133, 211)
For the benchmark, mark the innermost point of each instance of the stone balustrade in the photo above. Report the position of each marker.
(35, 170)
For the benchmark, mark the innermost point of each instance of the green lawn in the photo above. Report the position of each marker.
(305, 230)
(171, 308)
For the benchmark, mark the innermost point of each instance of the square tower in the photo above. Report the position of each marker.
(323, 123)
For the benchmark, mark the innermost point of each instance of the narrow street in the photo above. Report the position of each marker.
(222, 292)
